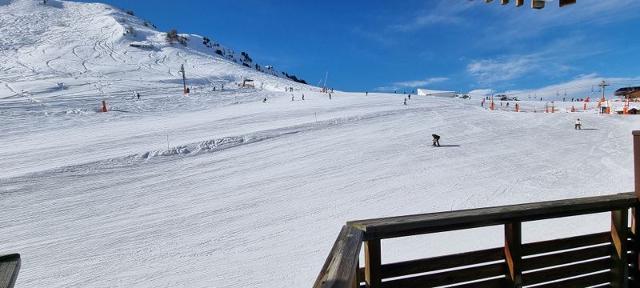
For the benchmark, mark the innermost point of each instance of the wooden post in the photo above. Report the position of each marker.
(513, 253)
(372, 263)
(634, 271)
(356, 279)
(635, 219)
(636, 160)
(619, 265)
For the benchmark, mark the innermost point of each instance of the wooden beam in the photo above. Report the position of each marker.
(441, 262)
(636, 161)
(537, 4)
(584, 281)
(449, 277)
(519, 3)
(565, 243)
(566, 257)
(564, 272)
(340, 268)
(567, 2)
(513, 253)
(619, 265)
(634, 259)
(372, 264)
(9, 268)
(464, 219)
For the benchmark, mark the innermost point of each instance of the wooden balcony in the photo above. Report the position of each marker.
(606, 259)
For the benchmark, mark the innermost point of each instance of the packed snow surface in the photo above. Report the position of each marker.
(218, 189)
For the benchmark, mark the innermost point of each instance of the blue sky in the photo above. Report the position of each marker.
(457, 45)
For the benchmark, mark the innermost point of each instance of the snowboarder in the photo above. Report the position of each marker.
(405, 101)
(578, 125)
(436, 140)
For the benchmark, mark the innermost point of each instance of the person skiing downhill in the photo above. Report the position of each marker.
(405, 101)
(578, 125)
(436, 140)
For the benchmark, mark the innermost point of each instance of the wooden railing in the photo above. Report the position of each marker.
(607, 259)
(9, 267)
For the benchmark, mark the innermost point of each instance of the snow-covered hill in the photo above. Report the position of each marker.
(96, 49)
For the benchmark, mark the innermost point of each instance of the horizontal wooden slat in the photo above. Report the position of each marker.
(565, 243)
(339, 270)
(448, 277)
(9, 268)
(491, 283)
(566, 271)
(463, 219)
(441, 263)
(585, 281)
(566, 257)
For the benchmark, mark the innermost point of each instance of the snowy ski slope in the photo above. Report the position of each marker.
(218, 189)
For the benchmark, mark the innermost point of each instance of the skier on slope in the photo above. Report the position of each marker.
(436, 140)
(405, 101)
(303, 97)
(578, 125)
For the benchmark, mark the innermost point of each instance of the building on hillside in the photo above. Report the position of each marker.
(629, 92)
(439, 93)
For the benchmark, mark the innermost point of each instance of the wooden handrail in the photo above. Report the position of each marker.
(9, 268)
(383, 228)
(340, 268)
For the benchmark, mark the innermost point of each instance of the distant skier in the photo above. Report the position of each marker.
(436, 140)
(507, 104)
(409, 96)
(329, 96)
(138, 95)
(578, 125)
(302, 97)
(292, 98)
(264, 100)
(366, 93)
(405, 101)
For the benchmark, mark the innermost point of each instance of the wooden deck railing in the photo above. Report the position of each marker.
(9, 267)
(607, 259)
